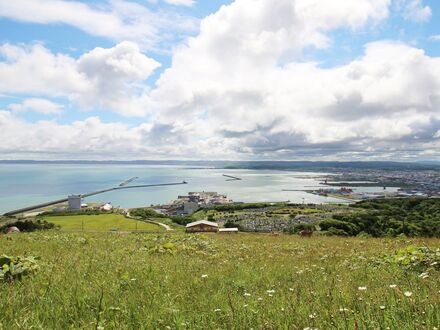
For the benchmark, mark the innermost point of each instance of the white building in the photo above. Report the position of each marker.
(74, 202)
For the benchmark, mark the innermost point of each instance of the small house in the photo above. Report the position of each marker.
(202, 226)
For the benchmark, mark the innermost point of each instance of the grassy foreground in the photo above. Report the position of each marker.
(178, 281)
(101, 222)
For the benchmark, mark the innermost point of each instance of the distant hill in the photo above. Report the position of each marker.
(262, 165)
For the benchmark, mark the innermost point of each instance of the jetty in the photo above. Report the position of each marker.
(231, 177)
(63, 200)
(126, 182)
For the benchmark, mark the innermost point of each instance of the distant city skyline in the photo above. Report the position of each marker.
(220, 80)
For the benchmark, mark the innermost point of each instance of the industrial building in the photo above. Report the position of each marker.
(74, 202)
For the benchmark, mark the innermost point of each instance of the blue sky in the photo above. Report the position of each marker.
(170, 99)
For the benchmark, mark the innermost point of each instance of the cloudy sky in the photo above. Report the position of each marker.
(218, 79)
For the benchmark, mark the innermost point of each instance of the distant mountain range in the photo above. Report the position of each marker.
(262, 165)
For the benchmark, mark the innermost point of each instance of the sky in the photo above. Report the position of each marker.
(220, 80)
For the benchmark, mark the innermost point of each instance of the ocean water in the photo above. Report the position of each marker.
(23, 185)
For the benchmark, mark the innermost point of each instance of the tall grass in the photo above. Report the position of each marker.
(178, 281)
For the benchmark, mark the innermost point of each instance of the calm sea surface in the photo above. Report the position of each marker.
(28, 184)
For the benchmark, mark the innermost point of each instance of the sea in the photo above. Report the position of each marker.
(23, 185)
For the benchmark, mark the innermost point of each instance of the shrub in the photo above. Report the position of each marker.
(230, 224)
(295, 229)
(145, 213)
(332, 231)
(29, 225)
(347, 227)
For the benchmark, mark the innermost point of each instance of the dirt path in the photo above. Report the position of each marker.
(168, 228)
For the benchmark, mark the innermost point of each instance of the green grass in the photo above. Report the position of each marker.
(179, 281)
(103, 222)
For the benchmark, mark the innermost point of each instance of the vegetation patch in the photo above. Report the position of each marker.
(14, 268)
(184, 244)
(29, 225)
(101, 222)
(422, 259)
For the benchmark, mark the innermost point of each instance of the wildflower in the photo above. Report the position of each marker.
(204, 275)
(392, 286)
(260, 299)
(312, 316)
(408, 294)
(342, 310)
(245, 305)
(217, 310)
(270, 292)
(362, 288)
(424, 275)
(382, 307)
(290, 289)
(247, 294)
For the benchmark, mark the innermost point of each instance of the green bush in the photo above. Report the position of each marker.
(145, 213)
(295, 229)
(332, 231)
(29, 225)
(347, 227)
(230, 224)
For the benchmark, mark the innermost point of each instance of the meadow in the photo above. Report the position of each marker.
(180, 281)
(100, 222)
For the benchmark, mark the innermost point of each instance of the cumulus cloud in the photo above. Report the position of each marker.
(93, 139)
(118, 20)
(241, 89)
(248, 85)
(37, 105)
(414, 10)
(107, 78)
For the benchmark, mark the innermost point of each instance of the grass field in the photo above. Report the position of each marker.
(244, 281)
(100, 222)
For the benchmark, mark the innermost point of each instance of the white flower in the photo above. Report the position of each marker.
(382, 307)
(247, 294)
(270, 292)
(259, 299)
(217, 310)
(246, 305)
(424, 275)
(392, 286)
(312, 316)
(204, 275)
(290, 289)
(408, 294)
(362, 288)
(343, 310)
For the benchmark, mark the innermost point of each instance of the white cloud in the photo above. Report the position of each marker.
(247, 84)
(180, 2)
(435, 37)
(118, 20)
(93, 139)
(107, 78)
(37, 105)
(240, 89)
(414, 10)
